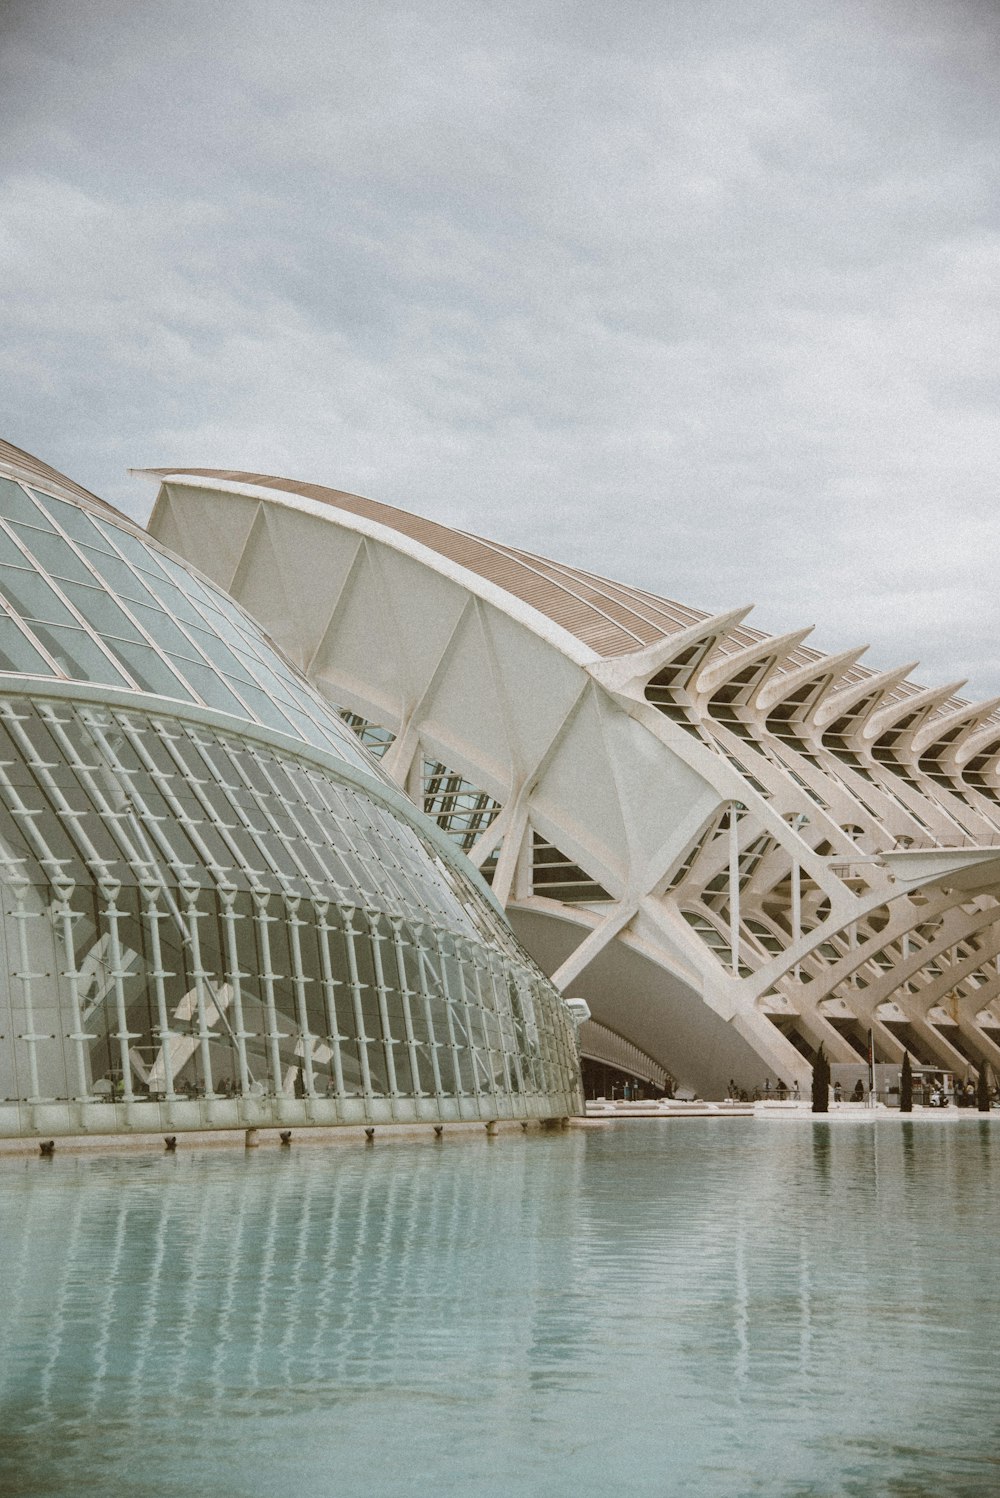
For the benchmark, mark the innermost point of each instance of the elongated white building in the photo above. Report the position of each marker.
(732, 846)
(218, 910)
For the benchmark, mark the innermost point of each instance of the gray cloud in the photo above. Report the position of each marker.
(700, 296)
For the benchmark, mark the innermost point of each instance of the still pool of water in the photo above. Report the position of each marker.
(681, 1307)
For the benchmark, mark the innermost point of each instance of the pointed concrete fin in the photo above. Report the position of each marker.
(619, 672)
(937, 727)
(774, 647)
(838, 703)
(921, 702)
(782, 687)
(975, 742)
(973, 713)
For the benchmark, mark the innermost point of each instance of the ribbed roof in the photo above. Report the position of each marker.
(609, 617)
(30, 469)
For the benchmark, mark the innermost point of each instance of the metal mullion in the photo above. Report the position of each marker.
(274, 1035)
(321, 909)
(425, 993)
(288, 805)
(473, 953)
(190, 893)
(26, 818)
(565, 1070)
(359, 1017)
(110, 889)
(501, 995)
(528, 1065)
(463, 1004)
(246, 656)
(203, 801)
(255, 838)
(19, 885)
(151, 890)
(405, 994)
(398, 884)
(145, 824)
(227, 897)
(162, 781)
(388, 1040)
(449, 1014)
(556, 1052)
(319, 851)
(309, 838)
(546, 1041)
(85, 775)
(64, 889)
(299, 980)
(62, 806)
(332, 877)
(251, 789)
(534, 1051)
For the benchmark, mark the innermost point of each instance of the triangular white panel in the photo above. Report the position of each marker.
(259, 585)
(424, 608)
(539, 685)
(576, 801)
(656, 790)
(208, 528)
(461, 710)
(359, 647)
(313, 560)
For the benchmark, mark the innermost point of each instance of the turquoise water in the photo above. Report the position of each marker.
(702, 1308)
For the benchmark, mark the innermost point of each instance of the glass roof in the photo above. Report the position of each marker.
(85, 599)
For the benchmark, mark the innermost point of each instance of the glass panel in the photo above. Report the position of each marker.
(264, 709)
(148, 670)
(32, 598)
(131, 547)
(74, 521)
(231, 626)
(163, 630)
(17, 653)
(10, 555)
(100, 610)
(123, 582)
(217, 651)
(176, 602)
(192, 586)
(210, 687)
(77, 655)
(16, 505)
(56, 556)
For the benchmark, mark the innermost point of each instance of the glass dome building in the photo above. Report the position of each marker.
(218, 911)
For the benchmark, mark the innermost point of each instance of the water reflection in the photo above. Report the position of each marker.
(646, 1307)
(821, 1153)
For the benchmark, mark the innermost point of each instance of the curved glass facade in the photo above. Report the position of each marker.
(203, 916)
(85, 599)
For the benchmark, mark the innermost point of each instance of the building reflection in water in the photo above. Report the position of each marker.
(483, 1316)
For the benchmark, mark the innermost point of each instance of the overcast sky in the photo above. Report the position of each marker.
(702, 296)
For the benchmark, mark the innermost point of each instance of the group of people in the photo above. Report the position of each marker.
(857, 1096)
(780, 1092)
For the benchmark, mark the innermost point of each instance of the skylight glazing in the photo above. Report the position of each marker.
(85, 599)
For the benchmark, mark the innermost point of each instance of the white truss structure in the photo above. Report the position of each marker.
(733, 846)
